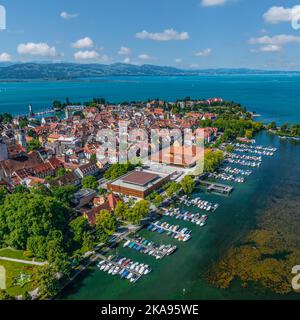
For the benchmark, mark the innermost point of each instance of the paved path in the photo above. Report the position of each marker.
(35, 263)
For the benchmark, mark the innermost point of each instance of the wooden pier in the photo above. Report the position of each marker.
(216, 187)
(137, 274)
(156, 251)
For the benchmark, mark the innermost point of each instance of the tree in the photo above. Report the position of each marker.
(64, 193)
(26, 215)
(79, 227)
(284, 127)
(93, 158)
(88, 242)
(188, 184)
(158, 200)
(212, 160)
(61, 172)
(47, 282)
(7, 117)
(118, 169)
(138, 212)
(3, 194)
(40, 189)
(121, 210)
(107, 222)
(272, 126)
(36, 245)
(249, 134)
(90, 182)
(173, 189)
(21, 189)
(229, 148)
(23, 123)
(34, 144)
(5, 296)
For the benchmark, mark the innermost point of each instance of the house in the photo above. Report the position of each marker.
(89, 169)
(83, 197)
(48, 120)
(43, 170)
(210, 134)
(68, 179)
(109, 205)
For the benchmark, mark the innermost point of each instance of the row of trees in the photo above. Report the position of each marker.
(118, 169)
(132, 214)
(212, 161)
(292, 130)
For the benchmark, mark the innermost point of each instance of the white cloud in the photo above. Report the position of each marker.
(124, 51)
(5, 57)
(273, 44)
(91, 55)
(127, 60)
(204, 53)
(277, 40)
(166, 35)
(281, 14)
(193, 66)
(145, 56)
(37, 49)
(178, 60)
(211, 3)
(86, 42)
(86, 55)
(270, 48)
(68, 16)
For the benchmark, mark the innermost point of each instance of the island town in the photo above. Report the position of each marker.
(66, 204)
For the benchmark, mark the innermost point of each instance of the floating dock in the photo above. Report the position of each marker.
(217, 187)
(150, 248)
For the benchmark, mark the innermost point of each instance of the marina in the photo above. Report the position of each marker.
(236, 171)
(200, 204)
(245, 157)
(123, 267)
(243, 162)
(153, 249)
(180, 234)
(195, 218)
(256, 149)
(227, 177)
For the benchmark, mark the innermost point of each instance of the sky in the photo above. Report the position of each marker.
(189, 34)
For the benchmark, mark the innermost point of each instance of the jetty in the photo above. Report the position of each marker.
(216, 187)
(150, 248)
(126, 268)
(172, 231)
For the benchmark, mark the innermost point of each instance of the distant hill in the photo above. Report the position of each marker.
(64, 71)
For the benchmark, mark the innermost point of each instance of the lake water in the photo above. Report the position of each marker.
(275, 97)
(182, 275)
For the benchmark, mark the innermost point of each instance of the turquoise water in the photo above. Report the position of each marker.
(186, 268)
(275, 97)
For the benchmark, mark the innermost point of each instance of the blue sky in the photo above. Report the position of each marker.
(182, 33)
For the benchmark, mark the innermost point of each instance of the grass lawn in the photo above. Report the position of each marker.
(13, 272)
(12, 253)
(15, 254)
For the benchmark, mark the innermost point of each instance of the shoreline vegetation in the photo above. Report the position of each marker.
(266, 254)
(285, 131)
(69, 243)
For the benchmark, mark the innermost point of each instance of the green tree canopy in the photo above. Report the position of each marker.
(90, 182)
(188, 184)
(25, 215)
(106, 221)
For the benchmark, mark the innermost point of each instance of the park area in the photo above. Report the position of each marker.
(19, 276)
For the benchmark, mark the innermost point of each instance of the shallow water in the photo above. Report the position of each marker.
(182, 275)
